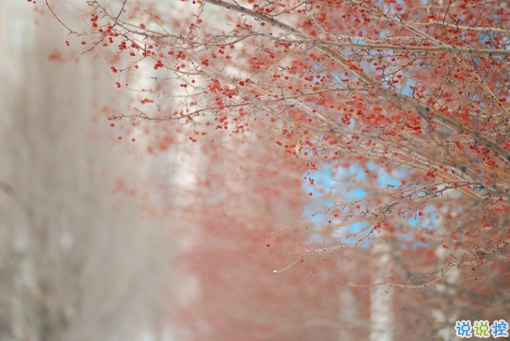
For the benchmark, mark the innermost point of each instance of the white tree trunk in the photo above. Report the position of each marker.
(71, 266)
(381, 297)
(445, 320)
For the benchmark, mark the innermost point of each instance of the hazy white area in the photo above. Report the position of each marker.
(77, 262)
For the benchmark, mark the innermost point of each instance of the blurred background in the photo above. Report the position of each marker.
(78, 259)
(114, 231)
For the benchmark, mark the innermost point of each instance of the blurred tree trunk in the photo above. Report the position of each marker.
(381, 296)
(71, 267)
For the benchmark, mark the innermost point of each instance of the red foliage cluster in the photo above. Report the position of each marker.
(397, 115)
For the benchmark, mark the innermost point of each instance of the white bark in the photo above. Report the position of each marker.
(71, 266)
(445, 320)
(381, 297)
